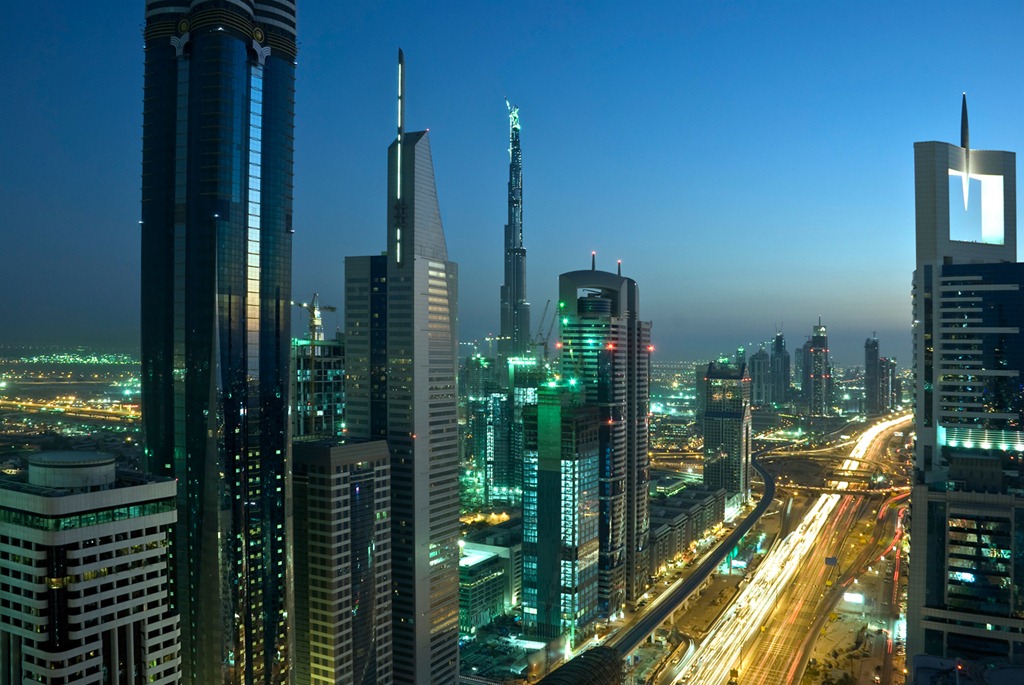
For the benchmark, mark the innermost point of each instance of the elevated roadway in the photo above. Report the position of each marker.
(632, 636)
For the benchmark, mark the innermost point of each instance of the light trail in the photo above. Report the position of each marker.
(723, 647)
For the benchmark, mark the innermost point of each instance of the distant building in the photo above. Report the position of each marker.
(560, 514)
(525, 375)
(964, 598)
(818, 373)
(607, 347)
(761, 378)
(342, 561)
(84, 574)
(727, 427)
(891, 390)
(487, 432)
(873, 393)
(780, 370)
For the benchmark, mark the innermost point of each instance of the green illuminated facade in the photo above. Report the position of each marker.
(560, 514)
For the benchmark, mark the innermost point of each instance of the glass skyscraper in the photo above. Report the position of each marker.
(560, 514)
(726, 429)
(216, 279)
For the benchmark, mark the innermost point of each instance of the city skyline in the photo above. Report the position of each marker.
(784, 137)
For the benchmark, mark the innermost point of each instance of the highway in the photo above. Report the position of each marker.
(630, 637)
(724, 645)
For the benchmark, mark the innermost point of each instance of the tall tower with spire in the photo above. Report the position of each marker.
(515, 310)
(400, 322)
(965, 599)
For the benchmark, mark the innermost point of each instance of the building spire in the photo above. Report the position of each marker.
(593, 260)
(965, 143)
(401, 94)
(515, 310)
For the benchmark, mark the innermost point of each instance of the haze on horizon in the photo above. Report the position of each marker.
(751, 165)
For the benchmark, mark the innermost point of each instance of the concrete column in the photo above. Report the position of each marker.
(6, 664)
(112, 658)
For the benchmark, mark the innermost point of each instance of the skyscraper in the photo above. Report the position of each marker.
(780, 370)
(216, 289)
(400, 318)
(872, 378)
(818, 373)
(515, 310)
(761, 378)
(607, 347)
(965, 597)
(83, 567)
(318, 380)
(560, 513)
(342, 563)
(726, 429)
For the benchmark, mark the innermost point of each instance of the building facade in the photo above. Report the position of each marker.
(84, 574)
(965, 597)
(606, 346)
(727, 426)
(342, 500)
(402, 386)
(560, 514)
(216, 224)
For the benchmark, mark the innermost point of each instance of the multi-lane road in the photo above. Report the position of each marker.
(785, 592)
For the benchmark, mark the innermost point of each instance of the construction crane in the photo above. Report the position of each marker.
(541, 339)
(316, 332)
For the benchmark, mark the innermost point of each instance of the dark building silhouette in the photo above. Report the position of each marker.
(873, 395)
(217, 148)
(780, 370)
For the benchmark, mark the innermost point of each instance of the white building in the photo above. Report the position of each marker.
(83, 574)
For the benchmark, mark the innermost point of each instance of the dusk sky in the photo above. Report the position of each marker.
(751, 165)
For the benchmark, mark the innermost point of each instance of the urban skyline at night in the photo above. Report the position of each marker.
(785, 156)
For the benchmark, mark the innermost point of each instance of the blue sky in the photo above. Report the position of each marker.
(751, 164)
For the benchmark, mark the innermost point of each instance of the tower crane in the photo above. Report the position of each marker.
(541, 339)
(316, 332)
